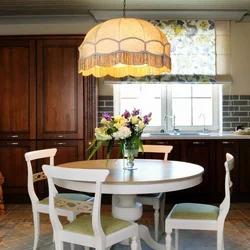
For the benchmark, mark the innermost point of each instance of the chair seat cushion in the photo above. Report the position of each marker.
(70, 196)
(83, 225)
(195, 211)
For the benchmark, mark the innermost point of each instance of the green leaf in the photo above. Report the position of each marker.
(92, 144)
(98, 145)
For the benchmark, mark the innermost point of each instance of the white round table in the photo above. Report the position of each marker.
(151, 176)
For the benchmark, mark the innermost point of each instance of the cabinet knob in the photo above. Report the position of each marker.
(227, 142)
(161, 143)
(12, 136)
(198, 142)
(60, 143)
(12, 143)
(60, 136)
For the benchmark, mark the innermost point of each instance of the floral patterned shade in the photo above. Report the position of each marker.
(192, 52)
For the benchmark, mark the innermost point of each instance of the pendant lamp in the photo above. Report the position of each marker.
(124, 47)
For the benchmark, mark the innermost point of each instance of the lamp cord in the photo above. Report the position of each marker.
(124, 9)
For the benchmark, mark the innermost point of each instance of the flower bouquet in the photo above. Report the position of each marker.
(127, 128)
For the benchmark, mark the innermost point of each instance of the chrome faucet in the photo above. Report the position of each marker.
(205, 130)
(175, 130)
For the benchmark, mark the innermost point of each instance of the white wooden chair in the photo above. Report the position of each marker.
(156, 200)
(99, 232)
(42, 206)
(195, 216)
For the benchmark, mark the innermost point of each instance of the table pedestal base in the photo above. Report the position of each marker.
(125, 207)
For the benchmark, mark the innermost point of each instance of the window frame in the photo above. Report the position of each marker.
(166, 106)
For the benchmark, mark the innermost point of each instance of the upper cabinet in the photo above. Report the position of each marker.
(60, 90)
(18, 89)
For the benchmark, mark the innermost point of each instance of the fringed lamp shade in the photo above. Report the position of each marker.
(122, 47)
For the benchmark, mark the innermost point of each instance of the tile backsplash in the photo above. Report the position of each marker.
(236, 110)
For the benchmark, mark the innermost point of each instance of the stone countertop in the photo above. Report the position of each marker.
(193, 136)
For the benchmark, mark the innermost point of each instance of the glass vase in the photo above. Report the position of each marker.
(130, 151)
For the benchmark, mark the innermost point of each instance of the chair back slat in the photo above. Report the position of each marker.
(96, 176)
(34, 177)
(166, 149)
(74, 205)
(39, 176)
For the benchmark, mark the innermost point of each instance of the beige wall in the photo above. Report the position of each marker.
(240, 48)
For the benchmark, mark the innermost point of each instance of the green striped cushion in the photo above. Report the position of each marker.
(83, 225)
(80, 197)
(195, 211)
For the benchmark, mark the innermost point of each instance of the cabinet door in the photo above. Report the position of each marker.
(60, 90)
(174, 154)
(67, 151)
(244, 163)
(223, 147)
(14, 169)
(201, 152)
(17, 95)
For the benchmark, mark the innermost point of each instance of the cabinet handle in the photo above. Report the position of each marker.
(198, 142)
(227, 142)
(60, 143)
(161, 143)
(12, 143)
(12, 136)
(60, 136)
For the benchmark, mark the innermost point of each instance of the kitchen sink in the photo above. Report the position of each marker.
(180, 134)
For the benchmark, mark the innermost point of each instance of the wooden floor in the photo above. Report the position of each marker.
(16, 230)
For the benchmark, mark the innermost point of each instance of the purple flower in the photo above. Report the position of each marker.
(136, 111)
(145, 119)
(128, 124)
(126, 114)
(107, 116)
(150, 114)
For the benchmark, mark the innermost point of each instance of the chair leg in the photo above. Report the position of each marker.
(58, 244)
(71, 217)
(168, 238)
(36, 218)
(176, 239)
(162, 212)
(134, 243)
(220, 239)
(156, 221)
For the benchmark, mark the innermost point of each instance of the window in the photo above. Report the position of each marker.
(146, 97)
(187, 102)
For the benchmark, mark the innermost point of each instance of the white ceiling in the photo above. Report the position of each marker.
(82, 7)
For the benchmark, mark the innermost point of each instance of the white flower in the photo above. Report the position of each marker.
(122, 133)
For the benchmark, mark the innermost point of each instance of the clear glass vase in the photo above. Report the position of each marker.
(130, 151)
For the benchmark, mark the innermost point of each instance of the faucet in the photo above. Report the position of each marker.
(175, 130)
(205, 130)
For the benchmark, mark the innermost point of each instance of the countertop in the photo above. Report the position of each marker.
(207, 136)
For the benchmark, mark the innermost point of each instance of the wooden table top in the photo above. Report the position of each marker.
(148, 171)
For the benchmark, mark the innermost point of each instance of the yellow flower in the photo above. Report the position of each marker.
(104, 121)
(141, 125)
(134, 119)
(101, 134)
(121, 120)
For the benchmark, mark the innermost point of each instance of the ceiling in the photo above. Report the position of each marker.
(10, 8)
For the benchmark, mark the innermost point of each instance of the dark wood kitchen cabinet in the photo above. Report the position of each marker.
(67, 151)
(59, 90)
(244, 168)
(201, 152)
(14, 169)
(42, 98)
(18, 89)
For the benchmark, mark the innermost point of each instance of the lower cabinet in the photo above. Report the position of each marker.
(201, 152)
(14, 169)
(244, 171)
(67, 151)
